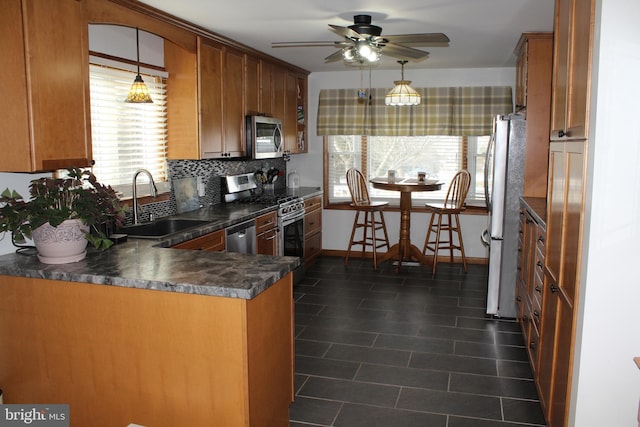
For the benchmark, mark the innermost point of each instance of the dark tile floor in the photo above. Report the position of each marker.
(376, 348)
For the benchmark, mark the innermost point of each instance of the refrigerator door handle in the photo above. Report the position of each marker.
(487, 166)
(486, 239)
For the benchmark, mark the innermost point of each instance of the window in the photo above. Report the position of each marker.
(440, 156)
(125, 136)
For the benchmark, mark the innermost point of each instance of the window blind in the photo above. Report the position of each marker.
(127, 136)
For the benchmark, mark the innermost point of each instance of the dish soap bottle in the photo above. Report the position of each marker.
(294, 180)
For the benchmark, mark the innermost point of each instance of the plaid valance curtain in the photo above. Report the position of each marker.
(453, 111)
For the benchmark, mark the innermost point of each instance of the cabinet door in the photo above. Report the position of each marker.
(212, 242)
(252, 92)
(267, 242)
(233, 104)
(51, 130)
(572, 73)
(289, 122)
(278, 92)
(565, 217)
(521, 77)
(267, 95)
(210, 97)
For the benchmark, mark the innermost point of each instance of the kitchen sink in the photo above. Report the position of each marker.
(161, 228)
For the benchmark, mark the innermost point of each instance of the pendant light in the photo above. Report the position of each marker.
(402, 93)
(139, 93)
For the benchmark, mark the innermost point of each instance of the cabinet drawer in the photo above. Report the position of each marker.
(312, 248)
(533, 348)
(541, 236)
(313, 222)
(213, 242)
(313, 204)
(267, 242)
(266, 222)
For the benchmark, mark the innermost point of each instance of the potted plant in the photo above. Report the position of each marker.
(61, 212)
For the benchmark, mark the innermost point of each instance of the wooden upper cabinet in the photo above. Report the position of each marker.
(533, 97)
(210, 98)
(252, 83)
(572, 69)
(220, 94)
(294, 119)
(267, 98)
(233, 103)
(45, 85)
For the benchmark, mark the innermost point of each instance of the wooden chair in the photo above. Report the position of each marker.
(444, 218)
(370, 225)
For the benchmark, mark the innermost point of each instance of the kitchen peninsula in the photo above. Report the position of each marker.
(146, 334)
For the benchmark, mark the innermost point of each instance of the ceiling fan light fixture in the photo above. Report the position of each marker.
(363, 52)
(402, 93)
(139, 92)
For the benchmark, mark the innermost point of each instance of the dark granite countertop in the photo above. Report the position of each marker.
(151, 264)
(537, 207)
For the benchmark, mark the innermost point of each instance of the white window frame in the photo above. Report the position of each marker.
(469, 154)
(111, 124)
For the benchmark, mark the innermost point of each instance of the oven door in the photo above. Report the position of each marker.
(292, 243)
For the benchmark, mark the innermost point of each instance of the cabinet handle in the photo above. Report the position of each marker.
(272, 237)
(532, 345)
(538, 289)
(539, 264)
(554, 288)
(561, 134)
(535, 313)
(529, 221)
(540, 239)
(518, 298)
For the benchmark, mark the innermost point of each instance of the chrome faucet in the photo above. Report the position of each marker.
(152, 188)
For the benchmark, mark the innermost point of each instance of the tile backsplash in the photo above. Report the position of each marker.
(211, 173)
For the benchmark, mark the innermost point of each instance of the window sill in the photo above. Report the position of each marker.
(145, 200)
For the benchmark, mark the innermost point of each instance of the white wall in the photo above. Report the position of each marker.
(19, 182)
(606, 383)
(336, 224)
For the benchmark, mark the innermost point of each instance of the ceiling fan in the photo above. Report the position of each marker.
(364, 44)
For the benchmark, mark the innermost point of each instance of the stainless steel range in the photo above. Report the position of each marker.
(244, 189)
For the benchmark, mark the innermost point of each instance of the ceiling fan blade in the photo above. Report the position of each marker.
(426, 39)
(403, 52)
(304, 44)
(345, 32)
(336, 56)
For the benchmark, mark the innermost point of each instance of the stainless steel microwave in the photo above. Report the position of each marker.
(264, 137)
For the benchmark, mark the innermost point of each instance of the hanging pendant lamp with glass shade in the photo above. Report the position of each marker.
(402, 93)
(139, 92)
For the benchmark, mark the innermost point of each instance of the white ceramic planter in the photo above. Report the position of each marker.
(62, 244)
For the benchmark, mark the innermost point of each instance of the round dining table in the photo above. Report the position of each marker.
(404, 250)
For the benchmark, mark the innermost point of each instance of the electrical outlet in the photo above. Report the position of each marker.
(200, 185)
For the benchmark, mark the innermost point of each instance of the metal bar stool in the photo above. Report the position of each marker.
(444, 218)
(366, 218)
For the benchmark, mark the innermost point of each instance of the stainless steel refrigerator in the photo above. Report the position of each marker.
(504, 180)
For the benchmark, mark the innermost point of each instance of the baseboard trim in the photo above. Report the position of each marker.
(442, 258)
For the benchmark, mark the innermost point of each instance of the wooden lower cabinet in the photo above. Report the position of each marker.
(267, 234)
(122, 355)
(312, 229)
(529, 284)
(212, 242)
(565, 217)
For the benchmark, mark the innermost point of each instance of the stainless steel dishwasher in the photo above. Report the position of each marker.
(242, 237)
